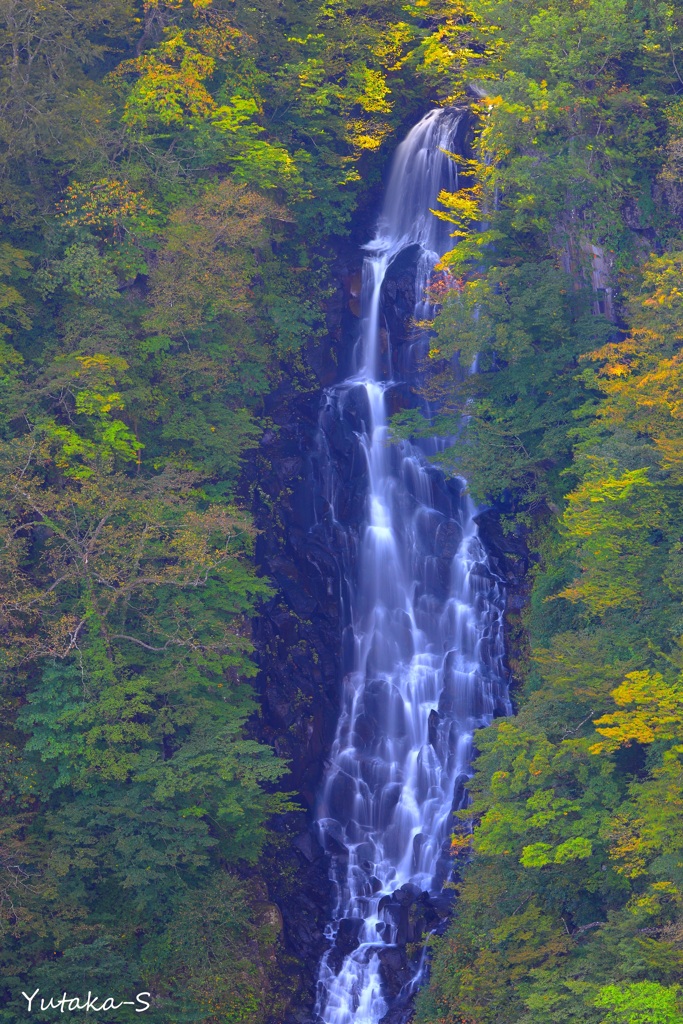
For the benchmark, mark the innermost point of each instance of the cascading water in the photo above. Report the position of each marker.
(425, 649)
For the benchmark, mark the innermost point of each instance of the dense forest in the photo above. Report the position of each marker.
(172, 173)
(175, 179)
(570, 906)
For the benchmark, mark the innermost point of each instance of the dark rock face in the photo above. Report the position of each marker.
(399, 1015)
(299, 631)
(509, 558)
(302, 639)
(395, 970)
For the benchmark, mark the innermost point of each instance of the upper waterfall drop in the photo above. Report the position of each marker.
(425, 658)
(421, 169)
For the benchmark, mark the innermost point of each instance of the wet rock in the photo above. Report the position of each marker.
(444, 569)
(335, 961)
(395, 970)
(352, 286)
(399, 1015)
(342, 794)
(508, 556)
(391, 794)
(508, 553)
(333, 839)
(460, 791)
(347, 935)
(448, 539)
(356, 409)
(408, 893)
(417, 926)
(366, 730)
(427, 529)
(308, 846)
(442, 903)
(433, 726)
(397, 916)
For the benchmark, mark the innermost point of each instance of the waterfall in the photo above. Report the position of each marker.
(423, 644)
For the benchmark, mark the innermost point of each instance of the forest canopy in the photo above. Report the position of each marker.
(175, 177)
(565, 284)
(172, 174)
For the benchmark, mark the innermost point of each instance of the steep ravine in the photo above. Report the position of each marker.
(299, 632)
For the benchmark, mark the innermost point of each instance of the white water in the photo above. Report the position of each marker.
(426, 624)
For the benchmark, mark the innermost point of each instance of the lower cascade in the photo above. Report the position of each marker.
(423, 644)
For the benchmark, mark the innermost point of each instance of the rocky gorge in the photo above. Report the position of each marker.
(303, 632)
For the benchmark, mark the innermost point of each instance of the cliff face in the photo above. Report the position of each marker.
(299, 632)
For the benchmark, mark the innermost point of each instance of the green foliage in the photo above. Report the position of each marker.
(571, 906)
(168, 175)
(643, 1003)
